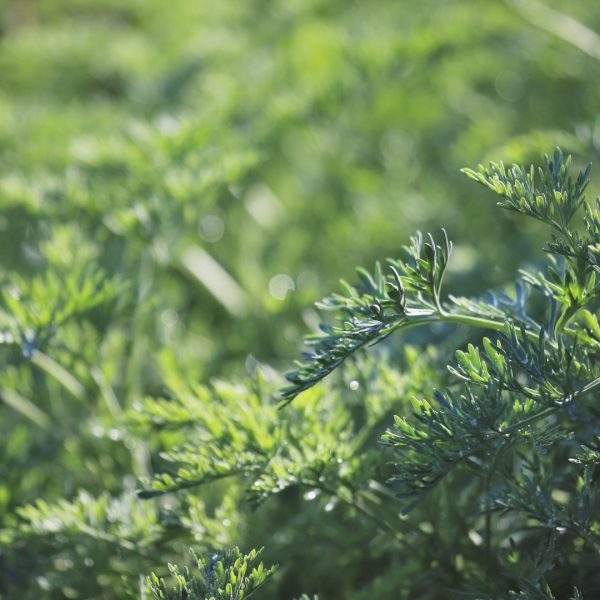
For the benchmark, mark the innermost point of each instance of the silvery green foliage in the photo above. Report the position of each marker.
(520, 415)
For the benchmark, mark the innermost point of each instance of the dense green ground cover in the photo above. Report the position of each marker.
(179, 182)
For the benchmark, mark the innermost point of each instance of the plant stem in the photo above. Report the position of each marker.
(551, 409)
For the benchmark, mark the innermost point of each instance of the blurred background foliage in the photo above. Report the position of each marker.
(179, 182)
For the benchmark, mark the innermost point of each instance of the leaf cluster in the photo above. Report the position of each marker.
(523, 404)
(229, 575)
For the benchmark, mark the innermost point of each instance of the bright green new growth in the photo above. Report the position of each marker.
(548, 194)
(229, 575)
